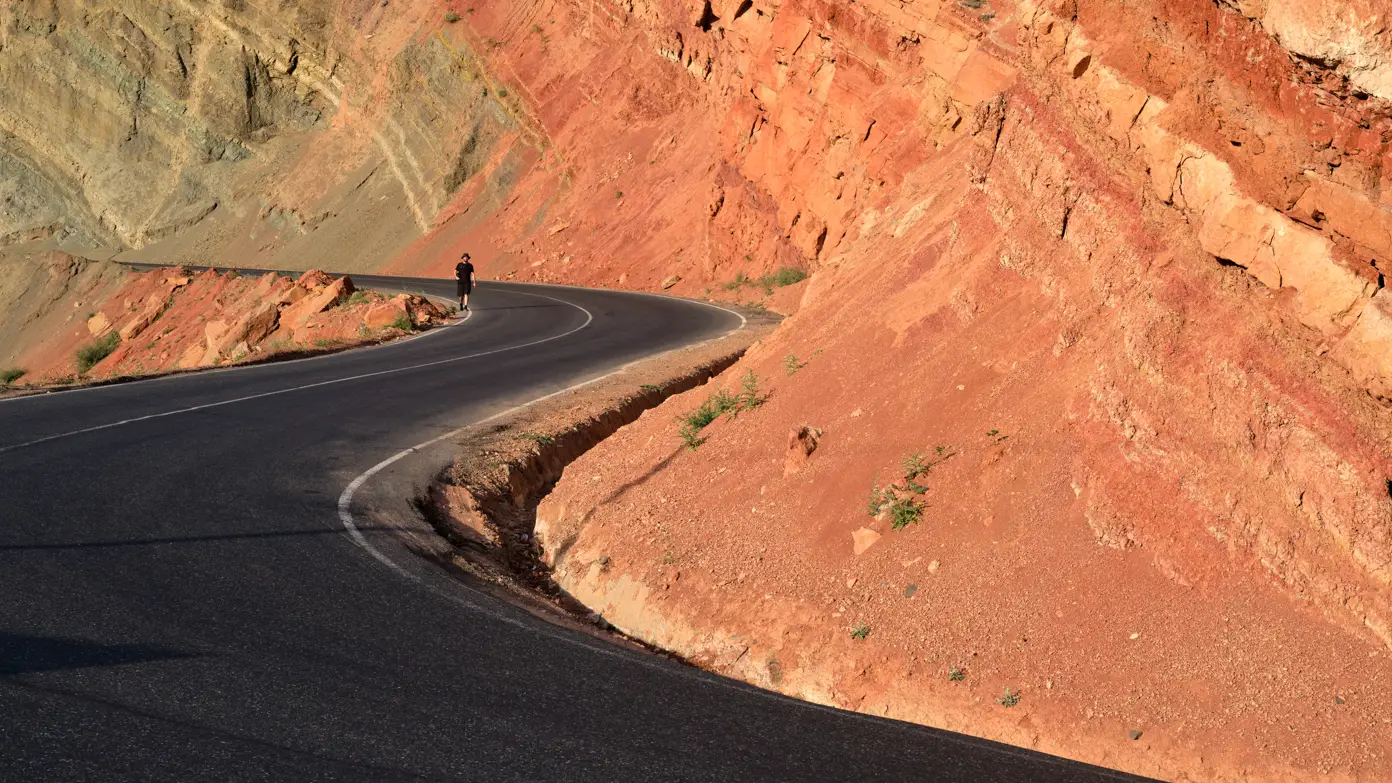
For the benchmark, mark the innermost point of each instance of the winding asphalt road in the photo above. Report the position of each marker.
(180, 600)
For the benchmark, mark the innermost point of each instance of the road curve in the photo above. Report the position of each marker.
(179, 599)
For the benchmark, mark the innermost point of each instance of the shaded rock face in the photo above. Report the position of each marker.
(128, 123)
(156, 97)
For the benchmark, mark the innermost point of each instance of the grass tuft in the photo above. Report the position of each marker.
(11, 375)
(1008, 699)
(89, 355)
(860, 631)
(719, 404)
(791, 364)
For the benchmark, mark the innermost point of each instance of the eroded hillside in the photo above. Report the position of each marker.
(1113, 269)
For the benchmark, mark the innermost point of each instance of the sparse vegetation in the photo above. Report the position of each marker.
(11, 375)
(1009, 698)
(860, 631)
(648, 387)
(718, 404)
(914, 465)
(540, 440)
(90, 354)
(791, 364)
(403, 323)
(904, 511)
(973, 4)
(451, 17)
(956, 674)
(749, 398)
(786, 275)
(359, 297)
(901, 499)
(739, 282)
(618, 194)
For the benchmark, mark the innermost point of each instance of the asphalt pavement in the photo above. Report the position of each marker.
(181, 600)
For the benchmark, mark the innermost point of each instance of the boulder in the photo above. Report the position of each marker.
(314, 280)
(423, 311)
(384, 314)
(251, 328)
(153, 310)
(864, 538)
(802, 442)
(98, 324)
(339, 290)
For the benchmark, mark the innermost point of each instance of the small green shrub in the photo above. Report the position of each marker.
(956, 674)
(860, 631)
(749, 397)
(878, 499)
(403, 323)
(452, 17)
(1008, 699)
(359, 297)
(11, 375)
(89, 355)
(739, 282)
(791, 364)
(904, 512)
(787, 275)
(914, 466)
(618, 194)
(540, 440)
(719, 404)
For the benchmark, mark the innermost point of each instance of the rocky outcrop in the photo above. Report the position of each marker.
(160, 321)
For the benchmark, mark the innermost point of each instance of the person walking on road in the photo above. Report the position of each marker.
(464, 280)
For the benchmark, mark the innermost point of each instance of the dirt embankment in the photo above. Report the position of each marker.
(1118, 399)
(81, 321)
(484, 503)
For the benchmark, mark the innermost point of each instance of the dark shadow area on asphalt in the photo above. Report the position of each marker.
(189, 730)
(24, 654)
(186, 539)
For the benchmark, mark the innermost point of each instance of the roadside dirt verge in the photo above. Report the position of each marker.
(484, 503)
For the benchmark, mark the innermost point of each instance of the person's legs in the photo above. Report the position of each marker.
(465, 304)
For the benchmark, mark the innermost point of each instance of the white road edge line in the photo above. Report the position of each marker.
(541, 628)
(345, 500)
(589, 318)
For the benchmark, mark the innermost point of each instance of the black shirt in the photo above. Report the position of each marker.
(464, 272)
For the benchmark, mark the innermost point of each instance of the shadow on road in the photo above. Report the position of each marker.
(182, 539)
(25, 654)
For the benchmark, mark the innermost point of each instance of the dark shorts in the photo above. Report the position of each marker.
(463, 287)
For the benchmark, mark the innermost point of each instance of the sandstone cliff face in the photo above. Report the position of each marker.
(1145, 239)
(130, 123)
